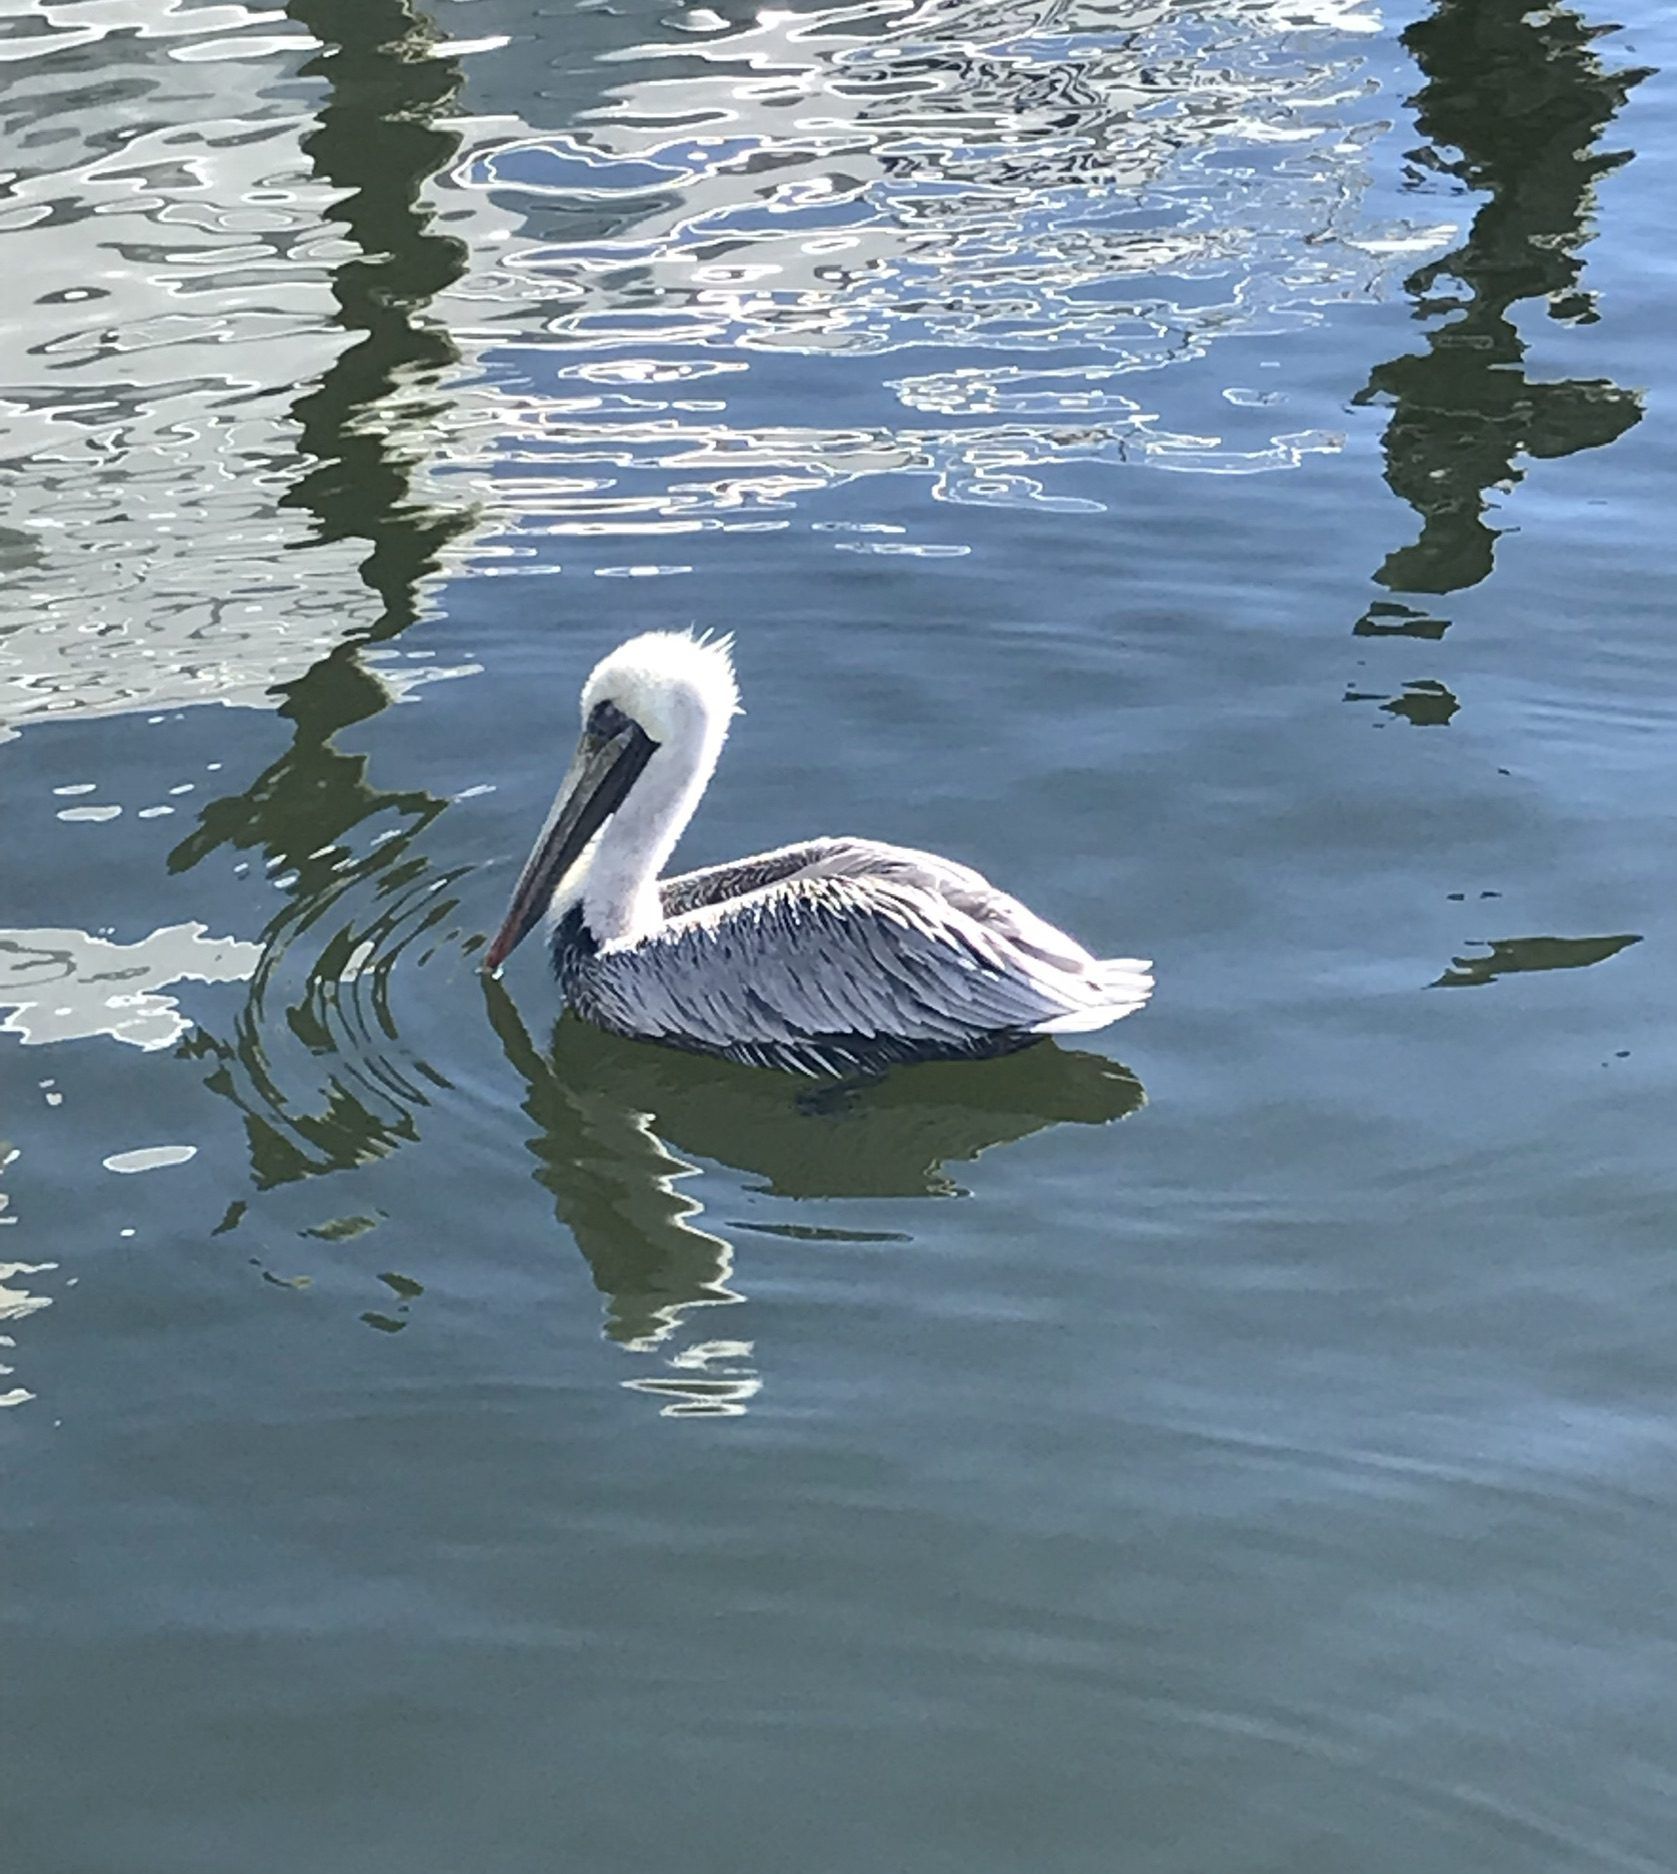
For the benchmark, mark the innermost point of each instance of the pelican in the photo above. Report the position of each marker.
(832, 957)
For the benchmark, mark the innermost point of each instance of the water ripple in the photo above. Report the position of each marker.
(316, 1061)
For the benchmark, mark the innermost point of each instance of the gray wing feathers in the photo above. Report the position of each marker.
(716, 884)
(956, 885)
(850, 938)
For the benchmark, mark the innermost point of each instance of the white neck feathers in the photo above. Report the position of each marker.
(620, 902)
(679, 691)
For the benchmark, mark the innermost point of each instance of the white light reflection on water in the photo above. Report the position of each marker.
(1059, 197)
(1017, 205)
(150, 1158)
(64, 985)
(16, 1300)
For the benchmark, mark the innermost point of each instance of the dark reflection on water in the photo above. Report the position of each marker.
(612, 1115)
(1515, 102)
(1387, 618)
(368, 425)
(357, 895)
(1423, 704)
(1511, 955)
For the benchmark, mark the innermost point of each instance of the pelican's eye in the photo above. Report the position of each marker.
(606, 721)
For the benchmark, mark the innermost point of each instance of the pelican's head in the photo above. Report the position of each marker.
(674, 686)
(657, 707)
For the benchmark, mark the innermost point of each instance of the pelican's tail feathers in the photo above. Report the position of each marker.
(1112, 987)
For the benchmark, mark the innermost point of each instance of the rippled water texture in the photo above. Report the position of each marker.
(1203, 463)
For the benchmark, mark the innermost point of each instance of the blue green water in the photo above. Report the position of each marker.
(1205, 465)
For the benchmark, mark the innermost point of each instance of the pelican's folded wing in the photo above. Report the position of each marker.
(715, 884)
(800, 971)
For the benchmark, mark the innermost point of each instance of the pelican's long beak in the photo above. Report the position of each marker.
(605, 768)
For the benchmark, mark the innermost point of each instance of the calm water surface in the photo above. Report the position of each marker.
(1206, 464)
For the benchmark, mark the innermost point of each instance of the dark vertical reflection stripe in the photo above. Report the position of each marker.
(1514, 105)
(361, 894)
(368, 424)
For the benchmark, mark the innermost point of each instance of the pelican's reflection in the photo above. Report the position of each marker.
(613, 1117)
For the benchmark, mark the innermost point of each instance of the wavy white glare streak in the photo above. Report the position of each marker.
(16, 1300)
(1065, 195)
(65, 985)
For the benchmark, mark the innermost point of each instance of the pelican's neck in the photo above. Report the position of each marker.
(619, 884)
